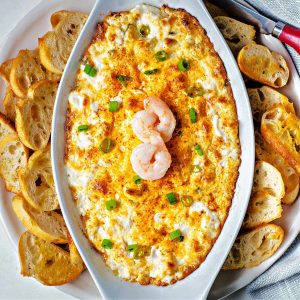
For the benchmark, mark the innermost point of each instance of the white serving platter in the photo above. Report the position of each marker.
(25, 35)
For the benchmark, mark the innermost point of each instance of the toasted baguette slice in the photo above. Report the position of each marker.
(236, 33)
(214, 10)
(13, 157)
(260, 64)
(264, 98)
(262, 209)
(55, 46)
(265, 202)
(281, 130)
(46, 262)
(74, 254)
(58, 16)
(5, 69)
(267, 177)
(5, 126)
(36, 181)
(27, 70)
(9, 103)
(253, 248)
(289, 175)
(34, 114)
(49, 226)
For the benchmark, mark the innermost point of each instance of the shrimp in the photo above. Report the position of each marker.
(152, 160)
(156, 116)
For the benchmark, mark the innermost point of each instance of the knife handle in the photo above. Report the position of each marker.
(289, 35)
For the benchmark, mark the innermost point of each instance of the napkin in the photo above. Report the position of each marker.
(282, 280)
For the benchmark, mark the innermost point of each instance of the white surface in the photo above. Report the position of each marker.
(197, 284)
(13, 286)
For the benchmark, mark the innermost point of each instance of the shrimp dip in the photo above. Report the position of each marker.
(152, 149)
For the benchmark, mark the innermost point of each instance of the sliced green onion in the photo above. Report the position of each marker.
(144, 30)
(123, 79)
(132, 248)
(176, 235)
(194, 91)
(183, 65)
(172, 198)
(150, 72)
(193, 115)
(186, 200)
(137, 179)
(196, 169)
(106, 145)
(111, 204)
(113, 106)
(107, 244)
(88, 69)
(83, 127)
(139, 253)
(198, 149)
(161, 55)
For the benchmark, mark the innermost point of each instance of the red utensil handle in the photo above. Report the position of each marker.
(291, 36)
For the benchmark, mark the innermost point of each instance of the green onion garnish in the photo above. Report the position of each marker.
(194, 91)
(161, 55)
(186, 200)
(137, 179)
(113, 106)
(172, 198)
(106, 145)
(196, 169)
(132, 248)
(123, 79)
(193, 115)
(107, 244)
(139, 253)
(176, 235)
(88, 69)
(111, 204)
(83, 127)
(183, 65)
(144, 31)
(198, 149)
(150, 72)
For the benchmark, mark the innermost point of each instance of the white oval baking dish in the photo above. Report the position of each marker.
(197, 284)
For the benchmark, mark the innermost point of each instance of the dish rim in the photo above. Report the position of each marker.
(247, 148)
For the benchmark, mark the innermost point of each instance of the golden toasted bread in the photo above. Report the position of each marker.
(236, 33)
(253, 248)
(27, 70)
(55, 46)
(74, 254)
(37, 183)
(260, 64)
(34, 114)
(13, 157)
(46, 262)
(267, 192)
(49, 225)
(5, 126)
(5, 69)
(289, 175)
(281, 130)
(214, 10)
(264, 98)
(9, 103)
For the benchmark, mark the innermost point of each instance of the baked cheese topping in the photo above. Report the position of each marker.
(152, 231)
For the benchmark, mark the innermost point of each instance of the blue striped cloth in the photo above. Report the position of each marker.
(282, 280)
